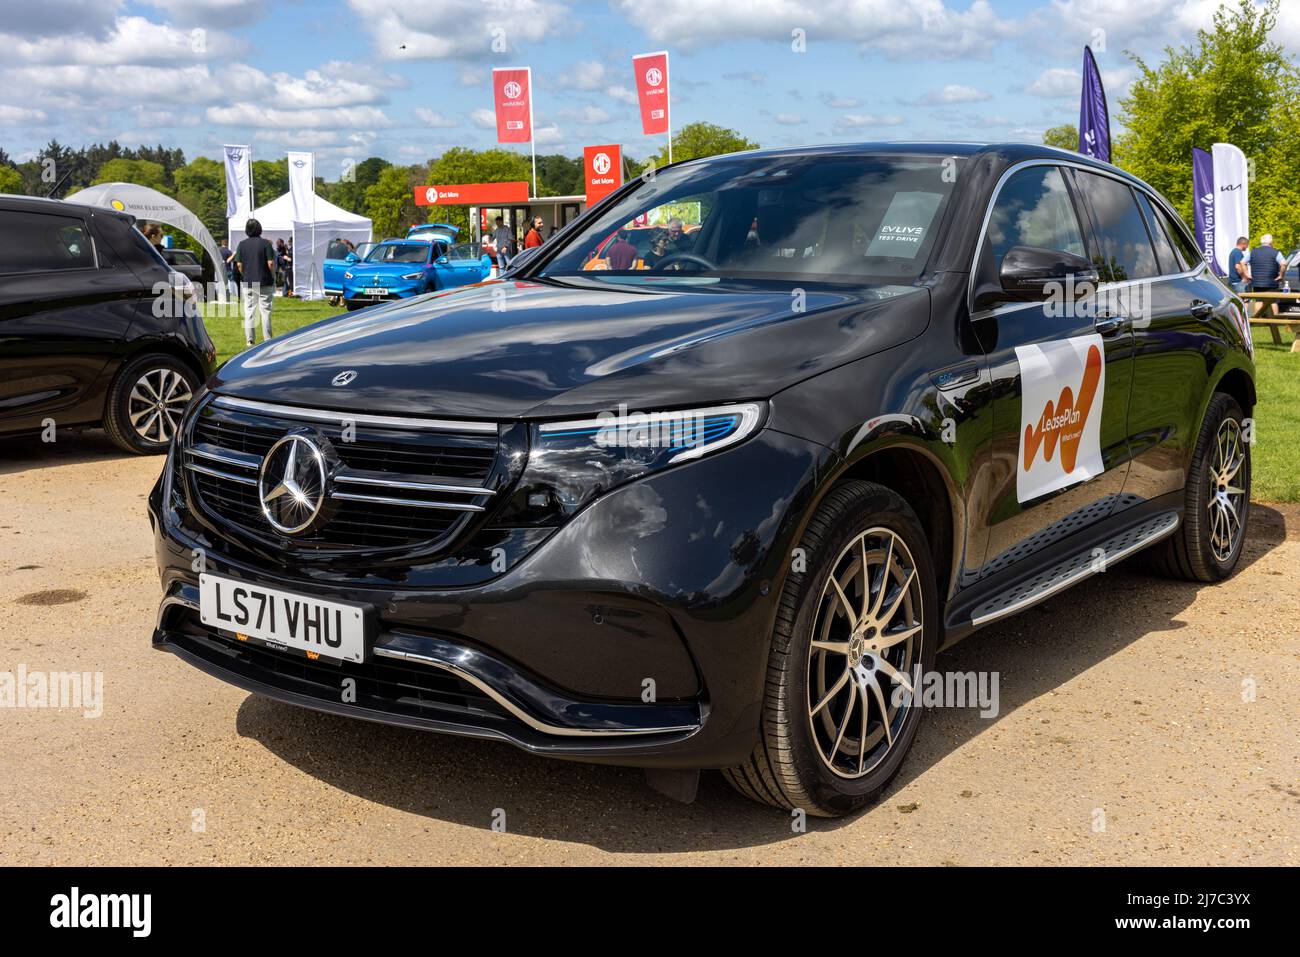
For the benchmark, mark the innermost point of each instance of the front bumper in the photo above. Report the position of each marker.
(669, 583)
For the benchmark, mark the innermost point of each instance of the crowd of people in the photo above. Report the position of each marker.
(1262, 269)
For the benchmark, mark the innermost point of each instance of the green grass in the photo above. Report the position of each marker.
(1276, 455)
(226, 325)
(1277, 417)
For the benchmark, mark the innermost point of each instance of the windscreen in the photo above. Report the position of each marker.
(838, 219)
(399, 253)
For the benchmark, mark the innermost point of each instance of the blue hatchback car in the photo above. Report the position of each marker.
(401, 268)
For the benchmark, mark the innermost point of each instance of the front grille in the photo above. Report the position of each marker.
(391, 485)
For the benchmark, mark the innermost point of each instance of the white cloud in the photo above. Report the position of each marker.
(402, 29)
(586, 75)
(223, 13)
(131, 40)
(861, 120)
(548, 135)
(256, 115)
(433, 118)
(20, 115)
(55, 17)
(587, 116)
(484, 119)
(789, 119)
(955, 93)
(622, 94)
(922, 28)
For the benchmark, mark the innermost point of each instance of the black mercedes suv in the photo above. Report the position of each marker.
(94, 326)
(719, 509)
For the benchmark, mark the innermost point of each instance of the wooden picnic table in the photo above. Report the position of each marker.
(1265, 314)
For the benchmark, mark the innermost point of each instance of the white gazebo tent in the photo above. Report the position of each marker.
(149, 205)
(310, 240)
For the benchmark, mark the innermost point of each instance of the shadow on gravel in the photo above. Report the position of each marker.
(464, 781)
(73, 447)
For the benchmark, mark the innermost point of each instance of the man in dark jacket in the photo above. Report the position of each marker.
(1266, 265)
(255, 258)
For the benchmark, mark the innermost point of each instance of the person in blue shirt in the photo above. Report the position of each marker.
(1239, 266)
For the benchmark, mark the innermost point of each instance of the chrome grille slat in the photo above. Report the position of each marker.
(393, 488)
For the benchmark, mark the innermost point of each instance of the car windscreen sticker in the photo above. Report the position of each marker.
(903, 229)
(1062, 387)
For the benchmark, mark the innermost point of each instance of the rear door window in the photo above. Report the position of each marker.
(39, 242)
(1125, 247)
(1165, 255)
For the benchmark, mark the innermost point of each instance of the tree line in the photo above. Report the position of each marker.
(374, 187)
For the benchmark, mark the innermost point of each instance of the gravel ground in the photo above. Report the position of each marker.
(1123, 735)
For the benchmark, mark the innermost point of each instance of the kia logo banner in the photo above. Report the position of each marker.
(512, 90)
(603, 167)
(1222, 206)
(651, 71)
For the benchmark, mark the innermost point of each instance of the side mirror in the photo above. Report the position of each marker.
(441, 260)
(1030, 273)
(523, 258)
(352, 258)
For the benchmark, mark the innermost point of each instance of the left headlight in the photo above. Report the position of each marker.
(413, 275)
(572, 462)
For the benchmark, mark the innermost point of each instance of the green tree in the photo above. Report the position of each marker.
(1064, 137)
(390, 202)
(201, 188)
(270, 180)
(559, 175)
(703, 139)
(139, 172)
(350, 193)
(11, 181)
(461, 165)
(1236, 85)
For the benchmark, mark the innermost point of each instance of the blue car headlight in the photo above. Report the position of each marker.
(413, 275)
(572, 462)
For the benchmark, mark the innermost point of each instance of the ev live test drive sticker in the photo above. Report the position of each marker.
(1062, 387)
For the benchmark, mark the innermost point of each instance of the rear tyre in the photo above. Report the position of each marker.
(146, 401)
(841, 708)
(1208, 543)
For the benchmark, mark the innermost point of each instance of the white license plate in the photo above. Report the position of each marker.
(376, 291)
(281, 618)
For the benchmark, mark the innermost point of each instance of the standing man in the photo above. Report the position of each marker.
(621, 254)
(1239, 266)
(256, 260)
(502, 238)
(1266, 265)
(534, 237)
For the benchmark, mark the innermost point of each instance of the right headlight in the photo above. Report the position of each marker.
(572, 462)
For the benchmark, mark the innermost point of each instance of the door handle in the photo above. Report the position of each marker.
(1201, 309)
(1107, 323)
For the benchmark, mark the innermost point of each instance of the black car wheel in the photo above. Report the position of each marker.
(1208, 543)
(853, 634)
(146, 402)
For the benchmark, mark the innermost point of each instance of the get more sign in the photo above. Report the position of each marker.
(473, 194)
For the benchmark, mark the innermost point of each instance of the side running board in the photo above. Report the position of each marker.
(1075, 569)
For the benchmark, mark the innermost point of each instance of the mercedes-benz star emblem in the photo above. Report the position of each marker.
(291, 484)
(344, 377)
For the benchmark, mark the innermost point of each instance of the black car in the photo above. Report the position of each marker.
(721, 513)
(94, 327)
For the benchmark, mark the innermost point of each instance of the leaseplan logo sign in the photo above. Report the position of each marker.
(1063, 387)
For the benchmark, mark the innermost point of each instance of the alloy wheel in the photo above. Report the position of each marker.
(866, 641)
(156, 403)
(1227, 497)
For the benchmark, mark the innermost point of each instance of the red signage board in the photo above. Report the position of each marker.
(512, 92)
(603, 166)
(651, 70)
(473, 194)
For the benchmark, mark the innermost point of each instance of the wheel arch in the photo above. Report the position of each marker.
(922, 480)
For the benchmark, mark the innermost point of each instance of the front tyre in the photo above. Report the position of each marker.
(854, 632)
(1208, 543)
(146, 401)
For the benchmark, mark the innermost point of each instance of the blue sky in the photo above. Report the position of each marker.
(406, 79)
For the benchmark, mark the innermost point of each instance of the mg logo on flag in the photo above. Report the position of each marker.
(601, 163)
(513, 90)
(654, 76)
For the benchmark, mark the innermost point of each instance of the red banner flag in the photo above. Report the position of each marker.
(603, 167)
(473, 194)
(651, 71)
(512, 91)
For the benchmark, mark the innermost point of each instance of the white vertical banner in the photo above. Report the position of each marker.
(239, 182)
(1231, 200)
(302, 185)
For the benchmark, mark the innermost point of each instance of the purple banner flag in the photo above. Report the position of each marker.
(1203, 205)
(1094, 118)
